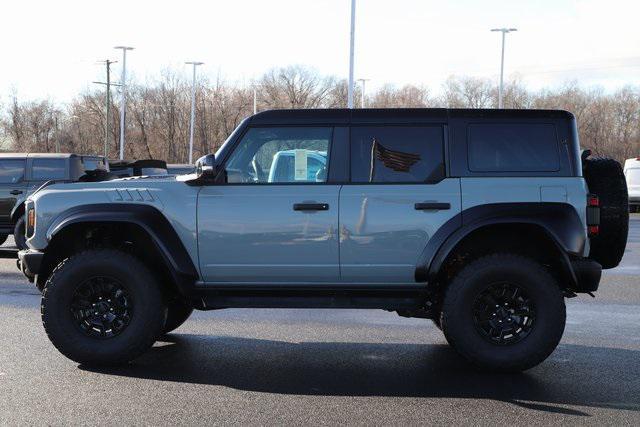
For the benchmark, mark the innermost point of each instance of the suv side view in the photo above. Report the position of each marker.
(481, 220)
(21, 174)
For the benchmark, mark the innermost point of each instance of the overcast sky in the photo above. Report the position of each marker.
(49, 48)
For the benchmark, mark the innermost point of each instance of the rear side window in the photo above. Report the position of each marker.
(11, 171)
(45, 169)
(397, 154)
(513, 148)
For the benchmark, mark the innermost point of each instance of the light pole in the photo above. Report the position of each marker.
(193, 108)
(123, 97)
(255, 97)
(504, 31)
(363, 81)
(107, 106)
(351, 54)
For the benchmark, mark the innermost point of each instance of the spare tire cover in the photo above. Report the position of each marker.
(605, 178)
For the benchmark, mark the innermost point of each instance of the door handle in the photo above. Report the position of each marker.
(15, 192)
(311, 207)
(432, 206)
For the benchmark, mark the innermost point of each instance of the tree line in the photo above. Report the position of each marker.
(158, 111)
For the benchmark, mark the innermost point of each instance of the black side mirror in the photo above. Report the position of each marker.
(206, 167)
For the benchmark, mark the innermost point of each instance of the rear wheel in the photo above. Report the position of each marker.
(503, 313)
(102, 307)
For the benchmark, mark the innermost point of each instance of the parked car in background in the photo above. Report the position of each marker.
(298, 166)
(632, 173)
(147, 167)
(180, 169)
(22, 173)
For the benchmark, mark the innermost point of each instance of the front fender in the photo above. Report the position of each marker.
(149, 219)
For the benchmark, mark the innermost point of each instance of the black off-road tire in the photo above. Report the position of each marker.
(177, 313)
(3, 238)
(147, 313)
(605, 178)
(19, 234)
(463, 334)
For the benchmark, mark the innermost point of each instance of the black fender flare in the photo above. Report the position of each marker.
(149, 219)
(559, 221)
(18, 210)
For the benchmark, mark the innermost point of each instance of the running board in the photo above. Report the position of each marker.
(381, 296)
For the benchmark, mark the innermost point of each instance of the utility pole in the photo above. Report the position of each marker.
(504, 31)
(363, 81)
(107, 105)
(351, 54)
(123, 97)
(193, 108)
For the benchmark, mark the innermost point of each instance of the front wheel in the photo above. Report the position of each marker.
(102, 307)
(503, 313)
(19, 234)
(177, 313)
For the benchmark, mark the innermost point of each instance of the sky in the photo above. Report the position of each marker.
(50, 48)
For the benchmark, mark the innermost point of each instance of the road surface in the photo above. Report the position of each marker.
(326, 367)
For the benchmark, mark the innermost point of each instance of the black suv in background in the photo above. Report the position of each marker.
(22, 173)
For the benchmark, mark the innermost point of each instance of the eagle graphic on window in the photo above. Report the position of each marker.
(398, 161)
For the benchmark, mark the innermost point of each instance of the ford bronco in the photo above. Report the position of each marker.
(483, 221)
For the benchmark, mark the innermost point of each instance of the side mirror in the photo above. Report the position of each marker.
(206, 167)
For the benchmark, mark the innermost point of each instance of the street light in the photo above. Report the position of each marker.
(193, 108)
(255, 97)
(503, 31)
(363, 81)
(351, 54)
(123, 101)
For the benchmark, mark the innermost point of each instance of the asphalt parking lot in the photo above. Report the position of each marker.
(326, 367)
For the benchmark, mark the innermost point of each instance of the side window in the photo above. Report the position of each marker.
(281, 155)
(397, 154)
(45, 169)
(513, 148)
(11, 171)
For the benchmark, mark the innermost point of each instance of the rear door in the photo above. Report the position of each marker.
(398, 197)
(12, 188)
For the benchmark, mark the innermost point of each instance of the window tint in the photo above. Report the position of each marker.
(399, 154)
(513, 148)
(281, 155)
(45, 169)
(11, 171)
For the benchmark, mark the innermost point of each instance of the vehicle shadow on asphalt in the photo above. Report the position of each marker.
(574, 375)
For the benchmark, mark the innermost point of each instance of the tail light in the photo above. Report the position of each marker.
(31, 222)
(593, 214)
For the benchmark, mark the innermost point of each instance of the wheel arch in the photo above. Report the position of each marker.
(139, 228)
(552, 232)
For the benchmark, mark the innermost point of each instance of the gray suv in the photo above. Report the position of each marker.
(21, 174)
(483, 221)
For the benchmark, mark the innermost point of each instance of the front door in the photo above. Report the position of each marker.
(275, 220)
(398, 198)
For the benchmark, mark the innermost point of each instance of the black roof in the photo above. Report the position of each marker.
(369, 115)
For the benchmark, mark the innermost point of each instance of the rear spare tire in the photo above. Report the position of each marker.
(605, 179)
